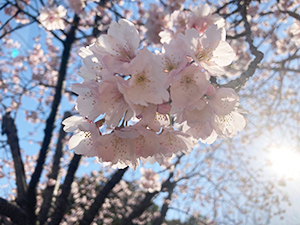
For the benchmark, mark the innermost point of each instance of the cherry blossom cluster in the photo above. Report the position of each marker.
(295, 31)
(52, 18)
(163, 25)
(136, 104)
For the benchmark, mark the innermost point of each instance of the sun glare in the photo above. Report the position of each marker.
(285, 162)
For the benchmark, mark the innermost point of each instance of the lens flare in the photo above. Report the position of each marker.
(285, 162)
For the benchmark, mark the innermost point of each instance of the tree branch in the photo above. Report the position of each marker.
(4, 5)
(62, 200)
(90, 214)
(16, 28)
(36, 20)
(140, 208)
(240, 81)
(15, 213)
(9, 19)
(31, 194)
(164, 208)
(292, 14)
(146, 202)
(48, 192)
(9, 128)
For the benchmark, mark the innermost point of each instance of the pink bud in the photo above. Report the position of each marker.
(211, 91)
(164, 108)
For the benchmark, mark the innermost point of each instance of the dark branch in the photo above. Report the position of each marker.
(10, 19)
(146, 202)
(240, 81)
(90, 214)
(34, 18)
(236, 36)
(4, 5)
(140, 208)
(292, 14)
(16, 28)
(62, 201)
(224, 6)
(164, 208)
(48, 193)
(9, 128)
(31, 195)
(15, 213)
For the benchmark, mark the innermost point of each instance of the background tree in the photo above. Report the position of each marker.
(45, 183)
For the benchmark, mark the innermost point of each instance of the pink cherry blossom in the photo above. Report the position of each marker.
(127, 145)
(172, 141)
(145, 113)
(155, 22)
(112, 102)
(37, 55)
(159, 121)
(173, 60)
(214, 116)
(190, 85)
(198, 123)
(138, 93)
(77, 5)
(210, 50)
(201, 18)
(146, 84)
(224, 101)
(164, 108)
(116, 49)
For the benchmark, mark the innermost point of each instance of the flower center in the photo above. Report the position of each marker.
(204, 54)
(141, 79)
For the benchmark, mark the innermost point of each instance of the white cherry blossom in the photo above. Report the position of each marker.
(52, 18)
(228, 125)
(91, 69)
(87, 99)
(210, 50)
(85, 141)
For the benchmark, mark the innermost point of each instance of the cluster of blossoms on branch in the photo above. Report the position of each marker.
(52, 18)
(136, 104)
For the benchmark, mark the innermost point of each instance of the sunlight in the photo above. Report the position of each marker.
(285, 162)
